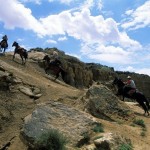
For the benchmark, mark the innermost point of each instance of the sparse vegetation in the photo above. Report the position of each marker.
(51, 140)
(85, 140)
(14, 102)
(143, 133)
(139, 122)
(98, 127)
(126, 147)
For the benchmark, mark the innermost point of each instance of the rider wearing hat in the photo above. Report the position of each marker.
(54, 59)
(130, 84)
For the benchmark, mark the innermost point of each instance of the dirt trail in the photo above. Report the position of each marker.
(32, 74)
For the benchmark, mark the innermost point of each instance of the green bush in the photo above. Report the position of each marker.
(140, 122)
(51, 140)
(143, 133)
(98, 127)
(125, 147)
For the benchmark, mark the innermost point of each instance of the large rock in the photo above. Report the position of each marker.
(111, 141)
(102, 103)
(108, 141)
(53, 115)
(32, 92)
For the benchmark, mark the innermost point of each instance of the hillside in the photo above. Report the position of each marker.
(15, 105)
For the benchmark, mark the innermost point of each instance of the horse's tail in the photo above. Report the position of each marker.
(145, 100)
(147, 103)
(25, 54)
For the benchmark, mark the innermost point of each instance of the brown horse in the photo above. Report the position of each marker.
(138, 96)
(21, 51)
(3, 46)
(54, 67)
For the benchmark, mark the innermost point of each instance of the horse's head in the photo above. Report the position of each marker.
(117, 81)
(15, 44)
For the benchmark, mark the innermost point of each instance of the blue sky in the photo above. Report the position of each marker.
(110, 32)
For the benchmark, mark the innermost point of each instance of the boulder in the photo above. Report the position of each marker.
(32, 92)
(111, 141)
(102, 103)
(76, 126)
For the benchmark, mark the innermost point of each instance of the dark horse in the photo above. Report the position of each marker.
(3, 45)
(138, 96)
(55, 67)
(21, 51)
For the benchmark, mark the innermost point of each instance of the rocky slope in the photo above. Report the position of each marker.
(82, 74)
(26, 91)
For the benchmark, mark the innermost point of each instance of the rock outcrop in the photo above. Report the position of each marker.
(81, 75)
(102, 103)
(53, 115)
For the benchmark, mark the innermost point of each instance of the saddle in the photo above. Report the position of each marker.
(131, 92)
(20, 49)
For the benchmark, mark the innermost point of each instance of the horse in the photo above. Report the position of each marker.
(3, 46)
(21, 51)
(55, 67)
(138, 96)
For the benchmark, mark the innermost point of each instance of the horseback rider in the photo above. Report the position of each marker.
(4, 39)
(130, 85)
(54, 59)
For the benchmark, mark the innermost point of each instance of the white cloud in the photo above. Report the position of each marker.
(136, 70)
(128, 43)
(19, 17)
(33, 1)
(143, 71)
(138, 18)
(51, 41)
(66, 1)
(62, 38)
(20, 39)
(108, 54)
(107, 43)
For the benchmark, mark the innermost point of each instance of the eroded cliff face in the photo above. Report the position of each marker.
(80, 74)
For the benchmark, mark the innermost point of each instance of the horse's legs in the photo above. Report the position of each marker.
(46, 69)
(14, 56)
(123, 97)
(25, 61)
(142, 104)
(57, 75)
(4, 51)
(22, 59)
(147, 104)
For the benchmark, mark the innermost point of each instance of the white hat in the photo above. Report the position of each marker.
(129, 77)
